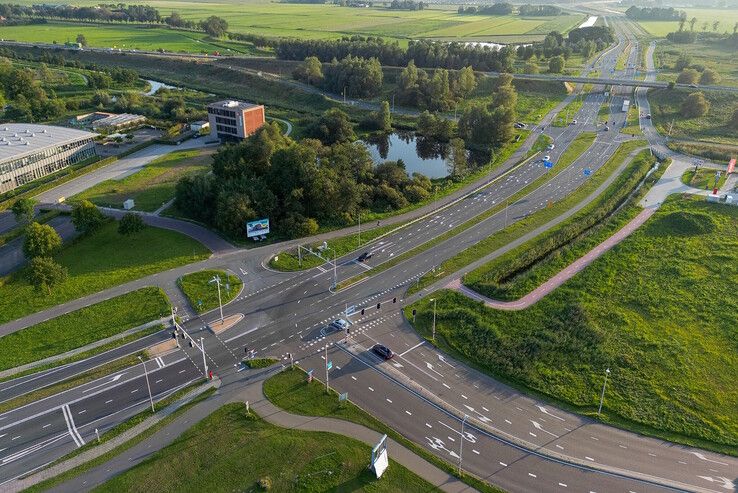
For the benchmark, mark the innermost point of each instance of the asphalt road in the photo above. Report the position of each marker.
(513, 440)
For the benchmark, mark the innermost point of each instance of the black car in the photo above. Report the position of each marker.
(364, 256)
(383, 351)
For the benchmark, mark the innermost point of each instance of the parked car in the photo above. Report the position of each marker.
(364, 256)
(383, 351)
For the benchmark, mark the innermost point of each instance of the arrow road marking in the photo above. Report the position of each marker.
(726, 483)
(538, 426)
(702, 457)
(114, 379)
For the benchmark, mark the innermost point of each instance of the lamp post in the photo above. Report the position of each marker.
(434, 319)
(602, 395)
(216, 280)
(461, 442)
(146, 373)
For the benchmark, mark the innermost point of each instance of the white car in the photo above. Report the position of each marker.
(551, 147)
(546, 157)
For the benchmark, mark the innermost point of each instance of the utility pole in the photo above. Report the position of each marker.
(434, 319)
(335, 272)
(507, 206)
(602, 396)
(360, 223)
(204, 361)
(146, 373)
(216, 280)
(461, 442)
(326, 368)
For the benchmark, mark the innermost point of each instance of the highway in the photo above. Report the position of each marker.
(512, 440)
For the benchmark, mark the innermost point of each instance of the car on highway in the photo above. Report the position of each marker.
(607, 129)
(546, 158)
(573, 122)
(648, 116)
(551, 147)
(339, 324)
(364, 256)
(693, 85)
(383, 351)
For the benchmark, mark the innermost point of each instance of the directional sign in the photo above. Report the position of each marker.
(343, 397)
(329, 365)
(548, 164)
(587, 172)
(310, 376)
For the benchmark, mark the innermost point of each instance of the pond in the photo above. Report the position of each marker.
(419, 154)
(156, 85)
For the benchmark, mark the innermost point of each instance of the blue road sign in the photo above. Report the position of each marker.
(548, 164)
(587, 171)
(329, 365)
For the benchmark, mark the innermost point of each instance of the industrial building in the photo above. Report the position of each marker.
(233, 120)
(109, 121)
(29, 151)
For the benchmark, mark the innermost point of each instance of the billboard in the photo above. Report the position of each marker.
(257, 228)
(379, 457)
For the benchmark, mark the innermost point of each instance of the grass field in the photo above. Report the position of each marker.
(727, 18)
(290, 391)
(567, 114)
(242, 449)
(204, 296)
(665, 331)
(275, 19)
(100, 261)
(632, 123)
(153, 185)
(709, 54)
(665, 109)
(704, 179)
(82, 327)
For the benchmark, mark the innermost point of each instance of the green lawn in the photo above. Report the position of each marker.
(726, 17)
(290, 391)
(666, 330)
(98, 262)
(569, 113)
(202, 295)
(632, 124)
(665, 109)
(82, 327)
(707, 53)
(153, 185)
(704, 178)
(243, 449)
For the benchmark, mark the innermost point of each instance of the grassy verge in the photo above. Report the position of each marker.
(580, 144)
(710, 151)
(569, 113)
(82, 327)
(255, 363)
(119, 430)
(703, 179)
(292, 460)
(42, 218)
(100, 261)
(632, 123)
(662, 331)
(541, 144)
(153, 185)
(202, 295)
(82, 378)
(616, 192)
(290, 391)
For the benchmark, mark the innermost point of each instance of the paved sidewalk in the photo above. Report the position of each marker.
(234, 392)
(554, 282)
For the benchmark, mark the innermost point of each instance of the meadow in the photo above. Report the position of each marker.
(666, 330)
(726, 17)
(708, 54)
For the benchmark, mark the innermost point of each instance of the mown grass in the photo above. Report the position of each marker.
(82, 327)
(654, 310)
(704, 179)
(632, 122)
(290, 391)
(293, 460)
(255, 363)
(708, 53)
(153, 185)
(637, 168)
(203, 295)
(100, 261)
(569, 113)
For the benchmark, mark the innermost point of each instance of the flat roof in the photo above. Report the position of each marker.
(20, 139)
(233, 104)
(117, 119)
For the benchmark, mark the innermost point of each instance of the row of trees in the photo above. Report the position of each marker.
(298, 185)
(654, 13)
(502, 8)
(429, 54)
(708, 76)
(354, 76)
(439, 92)
(485, 126)
(41, 241)
(539, 10)
(407, 5)
(26, 100)
(103, 12)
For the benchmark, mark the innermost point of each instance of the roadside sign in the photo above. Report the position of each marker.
(329, 365)
(548, 164)
(310, 376)
(587, 172)
(343, 397)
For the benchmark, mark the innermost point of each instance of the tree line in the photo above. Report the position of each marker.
(502, 8)
(654, 13)
(539, 10)
(299, 186)
(103, 12)
(425, 53)
(406, 5)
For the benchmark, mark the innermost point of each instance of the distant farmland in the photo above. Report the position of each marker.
(726, 17)
(305, 21)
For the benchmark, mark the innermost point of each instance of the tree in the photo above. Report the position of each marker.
(715, 25)
(530, 68)
(44, 274)
(692, 22)
(215, 26)
(466, 82)
(384, 117)
(457, 162)
(310, 71)
(695, 105)
(82, 40)
(682, 62)
(556, 64)
(704, 26)
(130, 224)
(332, 126)
(24, 210)
(688, 76)
(86, 217)
(709, 76)
(735, 28)
(41, 240)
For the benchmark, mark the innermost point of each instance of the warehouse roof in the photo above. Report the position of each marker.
(19, 139)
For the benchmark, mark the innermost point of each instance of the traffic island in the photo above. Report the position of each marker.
(222, 325)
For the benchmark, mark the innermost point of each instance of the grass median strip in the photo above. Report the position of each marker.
(203, 295)
(82, 327)
(290, 391)
(541, 217)
(577, 147)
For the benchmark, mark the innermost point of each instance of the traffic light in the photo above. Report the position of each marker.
(414, 311)
(362, 311)
(394, 300)
(348, 331)
(379, 305)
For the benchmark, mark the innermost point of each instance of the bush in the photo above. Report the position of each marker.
(709, 76)
(695, 105)
(265, 483)
(688, 76)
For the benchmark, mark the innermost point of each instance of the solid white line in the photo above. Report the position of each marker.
(417, 345)
(70, 426)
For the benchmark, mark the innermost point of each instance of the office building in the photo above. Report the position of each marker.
(234, 120)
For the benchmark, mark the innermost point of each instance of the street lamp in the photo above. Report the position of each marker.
(151, 399)
(602, 395)
(216, 280)
(461, 443)
(434, 319)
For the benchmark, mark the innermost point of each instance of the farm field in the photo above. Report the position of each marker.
(308, 21)
(727, 18)
(671, 375)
